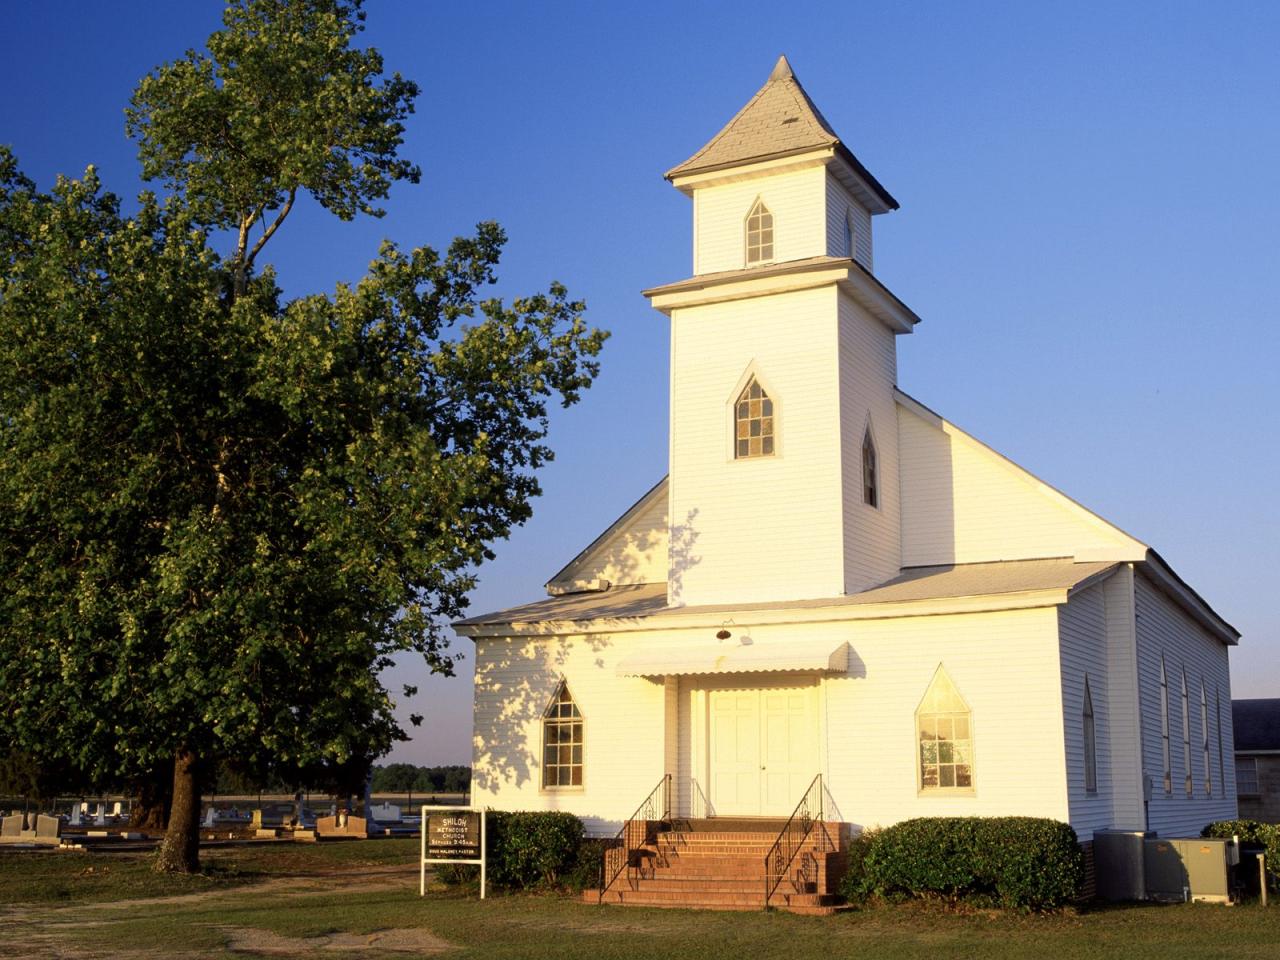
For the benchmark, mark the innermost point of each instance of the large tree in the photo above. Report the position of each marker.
(221, 511)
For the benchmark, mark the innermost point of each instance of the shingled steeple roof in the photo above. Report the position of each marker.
(779, 121)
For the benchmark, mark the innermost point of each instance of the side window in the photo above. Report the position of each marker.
(1090, 744)
(944, 732)
(870, 482)
(848, 237)
(1204, 732)
(753, 423)
(1164, 727)
(562, 741)
(1186, 734)
(1246, 776)
(759, 234)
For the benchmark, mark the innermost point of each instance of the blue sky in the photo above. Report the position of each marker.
(1088, 229)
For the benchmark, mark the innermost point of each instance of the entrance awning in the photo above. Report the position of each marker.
(804, 657)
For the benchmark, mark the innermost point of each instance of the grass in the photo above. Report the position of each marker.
(361, 888)
(67, 876)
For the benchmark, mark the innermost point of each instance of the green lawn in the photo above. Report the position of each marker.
(369, 890)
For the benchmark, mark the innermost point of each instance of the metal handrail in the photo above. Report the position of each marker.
(784, 850)
(620, 847)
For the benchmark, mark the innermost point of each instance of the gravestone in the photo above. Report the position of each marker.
(76, 810)
(386, 812)
(48, 828)
(117, 809)
(342, 825)
(100, 818)
(209, 817)
(13, 826)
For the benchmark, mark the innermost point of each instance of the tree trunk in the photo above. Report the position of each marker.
(151, 807)
(180, 849)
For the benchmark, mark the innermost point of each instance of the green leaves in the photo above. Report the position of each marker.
(280, 103)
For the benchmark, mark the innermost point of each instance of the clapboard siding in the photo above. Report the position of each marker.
(767, 528)
(636, 552)
(868, 367)
(1164, 630)
(796, 200)
(1082, 640)
(623, 731)
(962, 503)
(1005, 665)
(1124, 723)
(842, 209)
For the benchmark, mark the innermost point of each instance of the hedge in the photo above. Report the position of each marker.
(1266, 835)
(528, 850)
(1027, 863)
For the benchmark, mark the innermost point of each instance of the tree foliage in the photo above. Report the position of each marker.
(222, 511)
(281, 102)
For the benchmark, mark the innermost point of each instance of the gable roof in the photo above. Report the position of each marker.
(1256, 724)
(779, 121)
(921, 585)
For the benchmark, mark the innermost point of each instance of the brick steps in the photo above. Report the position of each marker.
(715, 869)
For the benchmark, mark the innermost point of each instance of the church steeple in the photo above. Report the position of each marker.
(779, 122)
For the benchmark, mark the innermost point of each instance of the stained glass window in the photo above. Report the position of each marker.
(870, 486)
(1090, 743)
(753, 423)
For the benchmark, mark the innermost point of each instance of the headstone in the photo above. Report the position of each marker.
(117, 809)
(386, 813)
(100, 818)
(76, 809)
(12, 826)
(257, 819)
(342, 825)
(209, 817)
(48, 828)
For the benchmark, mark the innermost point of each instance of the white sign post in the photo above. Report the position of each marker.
(452, 835)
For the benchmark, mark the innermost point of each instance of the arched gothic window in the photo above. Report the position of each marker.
(562, 741)
(753, 423)
(1186, 734)
(1204, 730)
(870, 482)
(1090, 743)
(759, 233)
(944, 732)
(1164, 727)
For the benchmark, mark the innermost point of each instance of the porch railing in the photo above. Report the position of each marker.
(778, 861)
(619, 853)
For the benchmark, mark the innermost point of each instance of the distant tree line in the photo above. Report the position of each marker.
(406, 777)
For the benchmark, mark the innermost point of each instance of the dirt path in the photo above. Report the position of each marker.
(41, 931)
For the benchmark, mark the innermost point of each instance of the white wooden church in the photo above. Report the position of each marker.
(834, 579)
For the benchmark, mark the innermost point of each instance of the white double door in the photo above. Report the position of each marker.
(763, 748)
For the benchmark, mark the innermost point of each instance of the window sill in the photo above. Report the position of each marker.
(946, 792)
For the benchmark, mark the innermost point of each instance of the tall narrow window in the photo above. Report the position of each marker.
(870, 487)
(759, 233)
(1204, 729)
(1222, 764)
(1164, 728)
(1090, 745)
(562, 741)
(945, 736)
(1246, 776)
(753, 423)
(848, 238)
(1186, 733)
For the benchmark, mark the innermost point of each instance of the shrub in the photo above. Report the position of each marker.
(585, 874)
(1266, 835)
(855, 886)
(528, 850)
(1023, 862)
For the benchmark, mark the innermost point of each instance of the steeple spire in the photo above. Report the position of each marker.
(779, 121)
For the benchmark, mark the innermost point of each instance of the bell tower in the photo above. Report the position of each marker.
(784, 434)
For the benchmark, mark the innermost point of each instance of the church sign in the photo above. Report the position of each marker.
(452, 835)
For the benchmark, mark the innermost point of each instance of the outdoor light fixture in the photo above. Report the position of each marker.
(723, 634)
